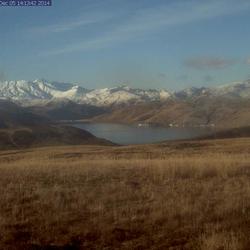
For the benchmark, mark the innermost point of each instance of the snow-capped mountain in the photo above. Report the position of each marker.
(231, 90)
(192, 92)
(33, 91)
(235, 89)
(37, 91)
(123, 94)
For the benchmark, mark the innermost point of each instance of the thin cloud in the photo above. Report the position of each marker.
(72, 24)
(150, 20)
(92, 14)
(208, 63)
(248, 61)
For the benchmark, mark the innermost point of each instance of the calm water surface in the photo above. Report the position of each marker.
(129, 134)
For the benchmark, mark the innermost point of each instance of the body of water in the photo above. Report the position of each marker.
(129, 134)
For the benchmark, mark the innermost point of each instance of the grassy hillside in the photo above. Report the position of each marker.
(178, 195)
(224, 113)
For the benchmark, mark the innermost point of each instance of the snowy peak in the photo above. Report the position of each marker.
(235, 89)
(192, 92)
(23, 90)
(38, 89)
(231, 90)
(124, 94)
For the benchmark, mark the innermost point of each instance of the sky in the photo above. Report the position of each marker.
(164, 44)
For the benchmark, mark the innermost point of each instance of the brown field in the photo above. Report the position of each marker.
(179, 195)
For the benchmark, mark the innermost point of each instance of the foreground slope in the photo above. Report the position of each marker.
(178, 195)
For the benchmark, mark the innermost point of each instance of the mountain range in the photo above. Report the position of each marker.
(32, 103)
(42, 91)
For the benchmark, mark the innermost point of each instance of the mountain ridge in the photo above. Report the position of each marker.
(42, 90)
(45, 90)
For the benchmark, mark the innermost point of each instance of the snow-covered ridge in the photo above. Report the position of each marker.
(42, 90)
(230, 90)
(235, 89)
(45, 90)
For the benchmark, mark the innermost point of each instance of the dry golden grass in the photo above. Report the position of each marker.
(183, 195)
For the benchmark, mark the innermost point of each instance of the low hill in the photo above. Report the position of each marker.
(47, 136)
(22, 128)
